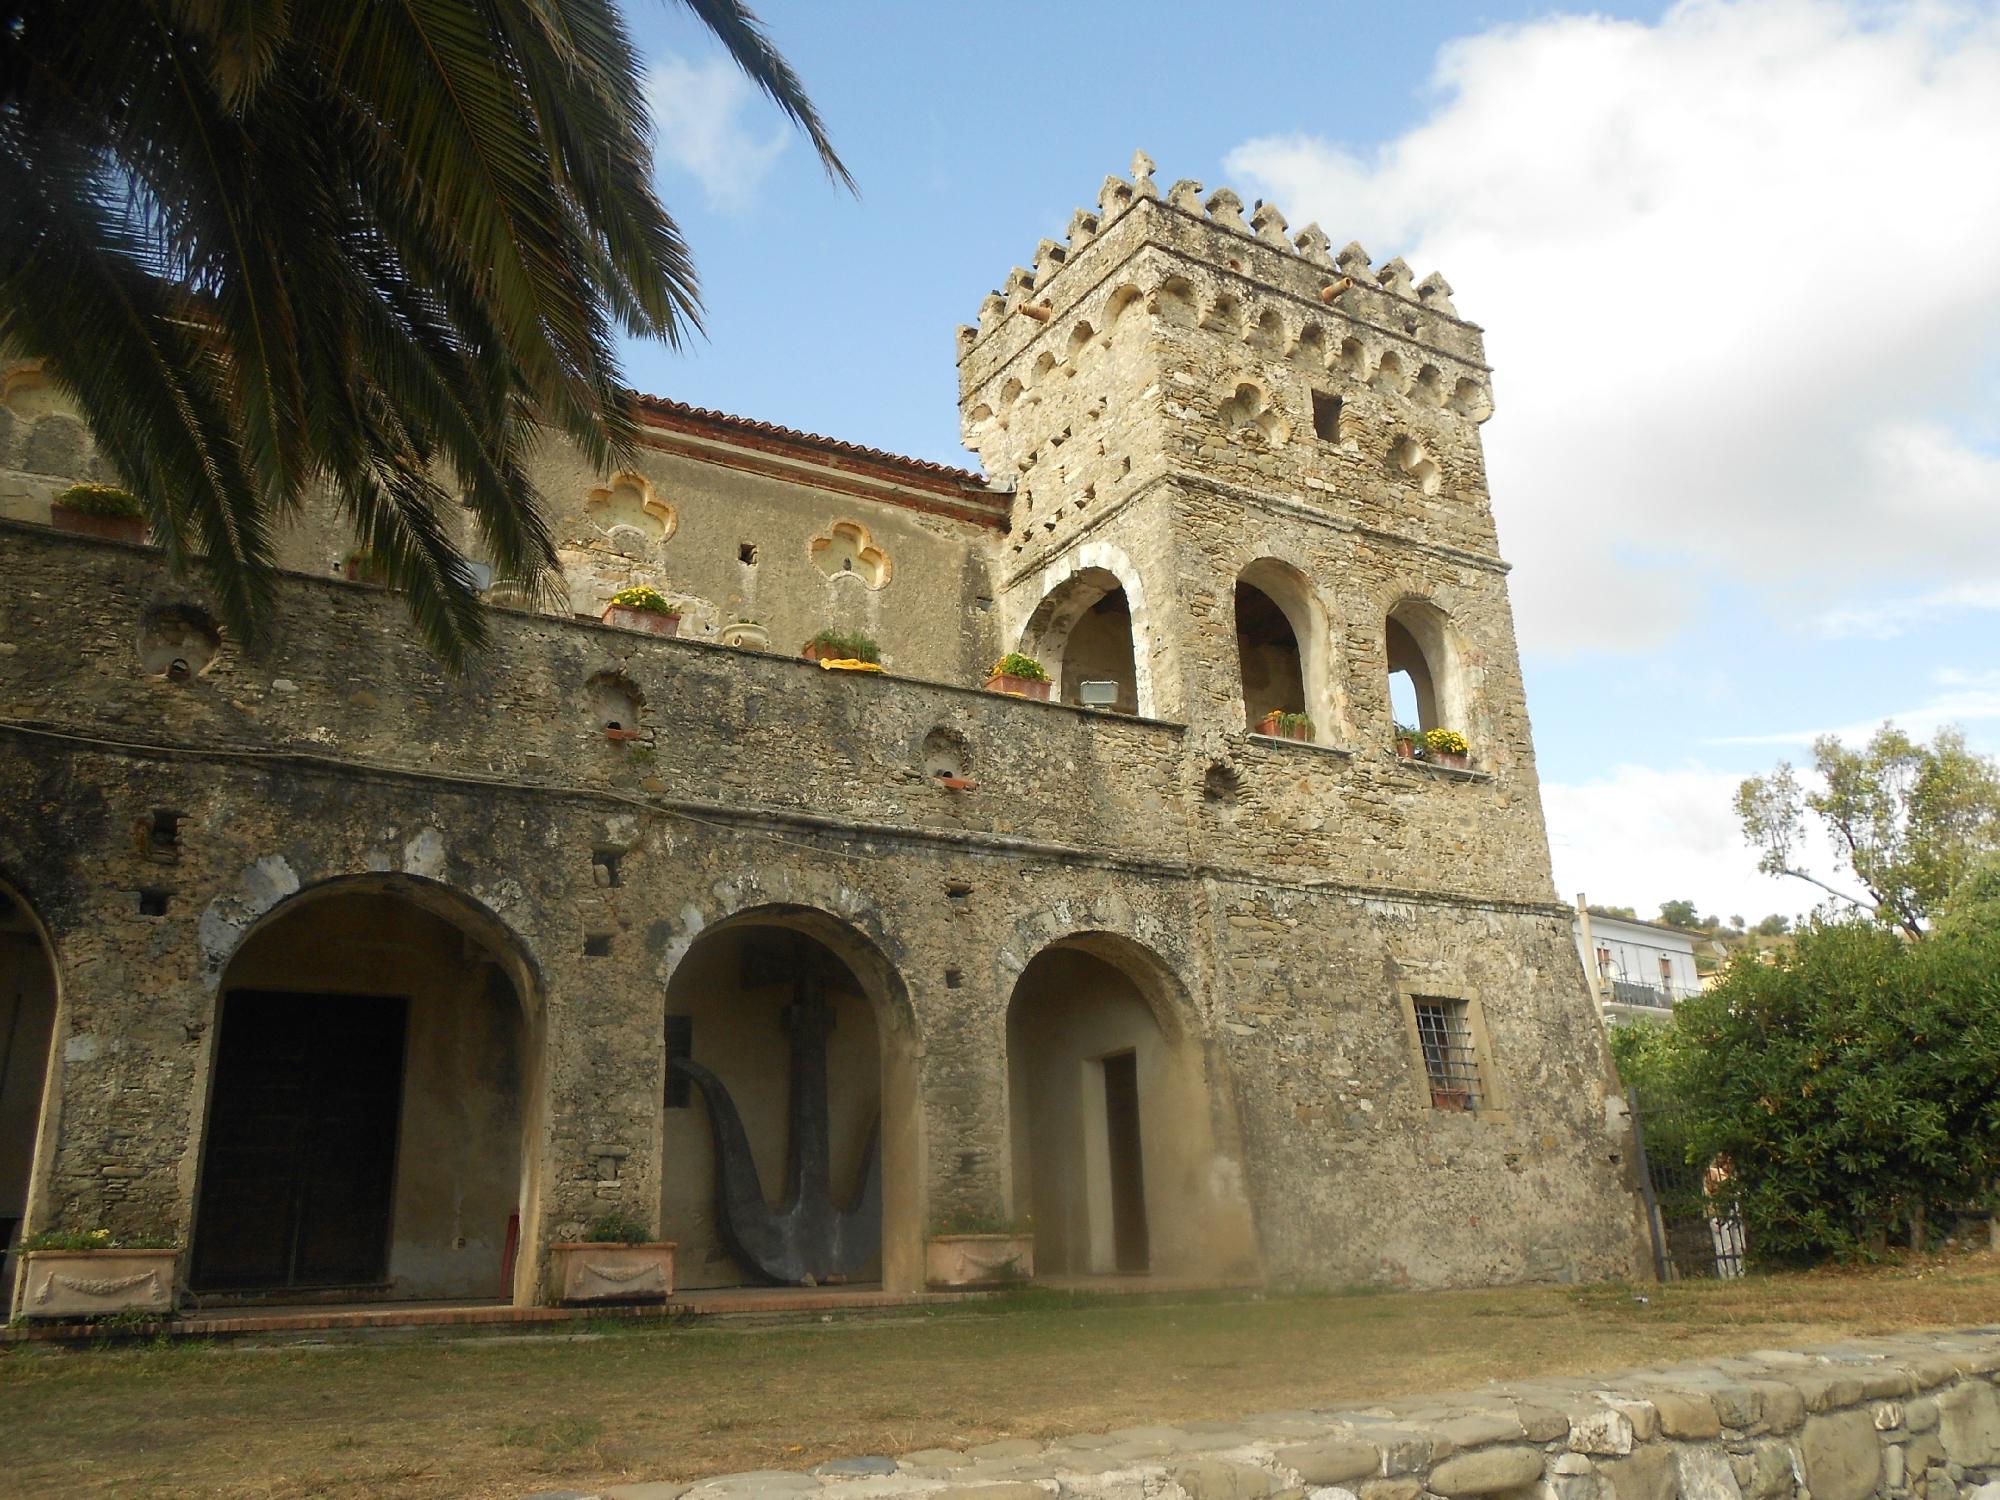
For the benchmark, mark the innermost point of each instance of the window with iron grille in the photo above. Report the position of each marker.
(1444, 1031)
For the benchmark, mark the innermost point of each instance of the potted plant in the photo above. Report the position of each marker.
(1022, 676)
(643, 608)
(748, 633)
(1280, 724)
(843, 651)
(93, 1273)
(970, 1250)
(1445, 747)
(1455, 1101)
(99, 510)
(1407, 740)
(617, 1260)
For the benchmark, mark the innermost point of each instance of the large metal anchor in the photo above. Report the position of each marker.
(808, 1241)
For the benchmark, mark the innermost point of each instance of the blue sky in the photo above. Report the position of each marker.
(1734, 260)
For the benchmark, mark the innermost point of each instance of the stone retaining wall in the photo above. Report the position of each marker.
(1915, 1417)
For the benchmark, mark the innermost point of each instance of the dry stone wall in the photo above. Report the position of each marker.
(1910, 1418)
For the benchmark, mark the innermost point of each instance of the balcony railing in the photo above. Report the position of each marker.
(1658, 996)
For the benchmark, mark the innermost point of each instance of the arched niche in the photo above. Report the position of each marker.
(613, 703)
(1084, 630)
(630, 504)
(1424, 676)
(759, 1001)
(1282, 646)
(1112, 1118)
(27, 1029)
(846, 550)
(178, 641)
(375, 1104)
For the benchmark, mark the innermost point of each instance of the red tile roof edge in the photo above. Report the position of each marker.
(706, 417)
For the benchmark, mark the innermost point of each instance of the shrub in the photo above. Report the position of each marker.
(94, 1239)
(616, 1229)
(1406, 735)
(846, 645)
(1014, 664)
(1295, 724)
(101, 500)
(649, 600)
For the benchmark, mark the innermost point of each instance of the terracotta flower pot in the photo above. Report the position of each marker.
(95, 1283)
(1019, 687)
(969, 1260)
(111, 528)
(1456, 759)
(1406, 749)
(589, 1271)
(620, 735)
(648, 621)
(1272, 729)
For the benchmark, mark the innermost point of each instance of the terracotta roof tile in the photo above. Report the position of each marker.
(706, 417)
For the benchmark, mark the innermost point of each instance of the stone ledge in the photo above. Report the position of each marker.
(1838, 1422)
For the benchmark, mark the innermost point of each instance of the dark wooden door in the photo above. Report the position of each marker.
(298, 1175)
(1128, 1177)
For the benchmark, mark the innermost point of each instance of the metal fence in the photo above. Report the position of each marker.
(1694, 1233)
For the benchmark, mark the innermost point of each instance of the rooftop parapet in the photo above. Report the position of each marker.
(1302, 261)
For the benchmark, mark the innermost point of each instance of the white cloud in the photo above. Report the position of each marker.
(1886, 620)
(1966, 698)
(1641, 836)
(698, 127)
(1739, 275)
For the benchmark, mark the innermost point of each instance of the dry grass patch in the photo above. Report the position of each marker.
(479, 1418)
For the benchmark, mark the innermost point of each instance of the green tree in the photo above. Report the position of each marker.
(1680, 914)
(1907, 820)
(1775, 925)
(371, 249)
(1847, 1088)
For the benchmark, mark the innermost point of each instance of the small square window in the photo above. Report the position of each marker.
(604, 867)
(746, 553)
(153, 903)
(597, 945)
(1326, 417)
(1451, 1060)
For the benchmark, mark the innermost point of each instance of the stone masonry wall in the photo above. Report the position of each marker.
(1915, 1417)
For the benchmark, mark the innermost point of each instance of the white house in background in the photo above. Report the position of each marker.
(1639, 969)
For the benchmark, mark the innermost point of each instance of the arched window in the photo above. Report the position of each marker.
(1424, 690)
(1082, 632)
(1281, 648)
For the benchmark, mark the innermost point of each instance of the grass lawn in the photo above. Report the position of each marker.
(500, 1419)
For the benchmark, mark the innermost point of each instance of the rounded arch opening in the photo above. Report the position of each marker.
(27, 1032)
(1425, 690)
(375, 1102)
(789, 1148)
(1083, 631)
(1282, 645)
(1111, 1119)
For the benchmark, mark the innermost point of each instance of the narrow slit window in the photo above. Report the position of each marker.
(1451, 1061)
(1326, 417)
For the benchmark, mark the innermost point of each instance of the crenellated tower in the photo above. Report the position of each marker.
(1263, 451)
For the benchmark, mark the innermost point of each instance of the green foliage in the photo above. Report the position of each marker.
(1406, 734)
(616, 1229)
(1775, 925)
(1014, 664)
(274, 251)
(1844, 1087)
(94, 1239)
(1628, 913)
(106, 500)
(649, 600)
(1909, 820)
(1680, 914)
(846, 645)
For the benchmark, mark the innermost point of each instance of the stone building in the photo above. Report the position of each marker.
(364, 981)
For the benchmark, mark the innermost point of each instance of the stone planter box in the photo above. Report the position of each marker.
(969, 1260)
(1456, 760)
(111, 528)
(1019, 687)
(583, 1271)
(749, 637)
(649, 621)
(96, 1283)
